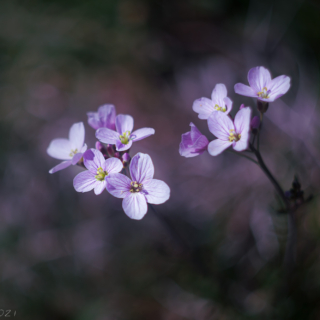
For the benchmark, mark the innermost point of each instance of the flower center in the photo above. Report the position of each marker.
(264, 93)
(101, 174)
(233, 136)
(73, 152)
(135, 187)
(218, 108)
(125, 137)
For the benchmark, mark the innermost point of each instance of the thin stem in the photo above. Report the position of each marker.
(243, 156)
(258, 134)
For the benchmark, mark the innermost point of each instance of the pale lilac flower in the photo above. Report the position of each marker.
(123, 136)
(262, 86)
(140, 190)
(229, 133)
(98, 169)
(70, 150)
(219, 102)
(193, 143)
(104, 118)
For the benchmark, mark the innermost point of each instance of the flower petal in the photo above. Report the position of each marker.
(258, 78)
(85, 181)
(220, 125)
(76, 136)
(228, 103)
(93, 159)
(278, 87)
(100, 187)
(244, 90)
(218, 94)
(242, 144)
(203, 107)
(60, 149)
(118, 185)
(156, 191)
(113, 165)
(141, 133)
(60, 166)
(215, 147)
(122, 147)
(141, 168)
(124, 123)
(135, 206)
(76, 158)
(93, 120)
(242, 120)
(106, 135)
(107, 116)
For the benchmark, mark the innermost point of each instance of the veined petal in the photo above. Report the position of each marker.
(244, 90)
(141, 168)
(76, 158)
(242, 120)
(76, 136)
(100, 187)
(218, 94)
(217, 146)
(122, 147)
(156, 191)
(85, 181)
(61, 166)
(203, 107)
(135, 206)
(106, 135)
(228, 102)
(93, 120)
(258, 78)
(278, 87)
(141, 133)
(220, 125)
(107, 116)
(118, 185)
(242, 144)
(60, 149)
(93, 159)
(124, 123)
(84, 148)
(113, 165)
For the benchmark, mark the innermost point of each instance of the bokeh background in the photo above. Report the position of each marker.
(215, 249)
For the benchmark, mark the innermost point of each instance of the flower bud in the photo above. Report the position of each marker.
(126, 159)
(110, 150)
(255, 124)
(117, 155)
(102, 149)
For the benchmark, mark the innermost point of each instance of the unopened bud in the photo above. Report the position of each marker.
(110, 150)
(117, 155)
(126, 159)
(255, 124)
(102, 149)
(242, 106)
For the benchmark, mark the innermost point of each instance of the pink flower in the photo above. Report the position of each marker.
(219, 102)
(70, 150)
(193, 143)
(140, 190)
(98, 169)
(124, 136)
(104, 118)
(262, 86)
(229, 133)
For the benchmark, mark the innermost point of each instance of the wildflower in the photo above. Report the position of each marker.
(262, 86)
(70, 150)
(193, 143)
(123, 136)
(140, 190)
(104, 118)
(98, 169)
(229, 133)
(219, 102)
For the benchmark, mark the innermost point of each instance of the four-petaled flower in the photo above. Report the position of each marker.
(98, 170)
(140, 190)
(193, 143)
(262, 86)
(70, 150)
(229, 133)
(104, 118)
(124, 136)
(219, 102)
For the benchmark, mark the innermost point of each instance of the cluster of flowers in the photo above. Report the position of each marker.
(110, 157)
(229, 132)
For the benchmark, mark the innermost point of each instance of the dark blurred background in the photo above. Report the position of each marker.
(215, 249)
